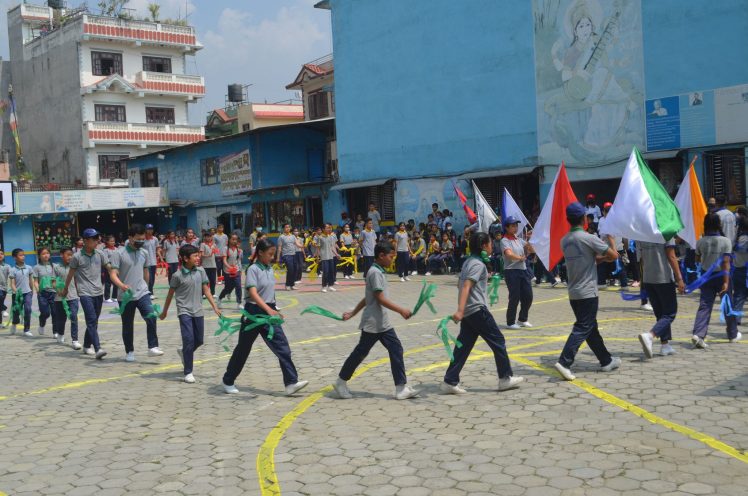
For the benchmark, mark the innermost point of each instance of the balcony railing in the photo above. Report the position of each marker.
(159, 82)
(35, 12)
(143, 134)
(152, 32)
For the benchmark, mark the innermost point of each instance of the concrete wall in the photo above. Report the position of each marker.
(6, 138)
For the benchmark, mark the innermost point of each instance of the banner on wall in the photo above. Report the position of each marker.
(91, 200)
(235, 173)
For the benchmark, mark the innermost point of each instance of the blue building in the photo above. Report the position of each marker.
(432, 91)
(267, 176)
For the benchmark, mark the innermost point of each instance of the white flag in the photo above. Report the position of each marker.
(511, 209)
(483, 210)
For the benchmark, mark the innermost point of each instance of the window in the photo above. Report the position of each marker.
(245, 127)
(106, 63)
(157, 64)
(383, 198)
(159, 115)
(209, 171)
(113, 166)
(725, 173)
(149, 178)
(318, 105)
(115, 113)
(286, 212)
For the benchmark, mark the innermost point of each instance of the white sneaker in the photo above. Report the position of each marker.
(510, 382)
(55, 335)
(351, 277)
(288, 288)
(230, 389)
(331, 289)
(524, 324)
(615, 362)
(13, 328)
(298, 283)
(130, 357)
(181, 355)
(403, 392)
(698, 342)
(100, 354)
(402, 279)
(189, 379)
(153, 352)
(89, 351)
(219, 303)
(294, 288)
(645, 339)
(41, 330)
(413, 272)
(5, 313)
(109, 300)
(565, 373)
(75, 345)
(737, 338)
(324, 289)
(239, 306)
(28, 334)
(341, 387)
(450, 389)
(666, 350)
(295, 388)
(345, 277)
(60, 339)
(428, 273)
(407, 278)
(514, 326)
(646, 307)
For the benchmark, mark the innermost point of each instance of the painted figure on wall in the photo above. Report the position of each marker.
(589, 75)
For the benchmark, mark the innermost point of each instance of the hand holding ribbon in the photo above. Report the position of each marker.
(247, 322)
(443, 333)
(126, 298)
(155, 313)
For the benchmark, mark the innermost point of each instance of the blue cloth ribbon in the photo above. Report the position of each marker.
(633, 296)
(710, 274)
(725, 309)
(618, 268)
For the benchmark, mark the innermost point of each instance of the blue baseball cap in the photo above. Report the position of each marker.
(149, 226)
(575, 209)
(90, 233)
(511, 220)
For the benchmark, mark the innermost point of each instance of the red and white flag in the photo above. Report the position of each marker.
(551, 226)
(472, 218)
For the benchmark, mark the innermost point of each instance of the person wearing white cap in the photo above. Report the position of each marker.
(515, 250)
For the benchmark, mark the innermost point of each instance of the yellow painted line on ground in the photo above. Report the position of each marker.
(268, 479)
(710, 441)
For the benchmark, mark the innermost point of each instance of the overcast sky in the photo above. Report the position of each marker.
(262, 42)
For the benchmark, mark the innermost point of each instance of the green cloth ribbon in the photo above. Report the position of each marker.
(428, 291)
(18, 302)
(246, 322)
(321, 311)
(446, 337)
(155, 313)
(126, 298)
(493, 289)
(45, 283)
(66, 307)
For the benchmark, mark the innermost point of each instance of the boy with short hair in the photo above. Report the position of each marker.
(60, 317)
(20, 280)
(375, 327)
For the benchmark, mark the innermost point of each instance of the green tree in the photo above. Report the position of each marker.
(154, 9)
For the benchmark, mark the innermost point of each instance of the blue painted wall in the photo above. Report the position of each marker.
(433, 87)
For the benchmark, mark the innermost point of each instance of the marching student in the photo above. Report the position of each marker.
(403, 253)
(208, 253)
(739, 287)
(20, 280)
(232, 270)
(42, 275)
(110, 290)
(476, 320)
(346, 241)
(221, 241)
(327, 253)
(187, 287)
(260, 300)
(713, 248)
(659, 268)
(190, 238)
(300, 257)
(128, 270)
(375, 327)
(286, 253)
(60, 317)
(582, 252)
(368, 241)
(170, 248)
(4, 272)
(85, 267)
(150, 245)
(515, 251)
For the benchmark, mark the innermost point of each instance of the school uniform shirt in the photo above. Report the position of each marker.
(375, 318)
(222, 242)
(261, 277)
(62, 271)
(171, 251)
(401, 241)
(368, 242)
(4, 272)
(207, 256)
(188, 290)
(22, 276)
(129, 263)
(418, 247)
(287, 245)
(234, 256)
(41, 270)
(580, 249)
(729, 225)
(88, 271)
(194, 242)
(150, 245)
(106, 251)
(711, 248)
(375, 220)
(595, 211)
(346, 239)
(741, 251)
(326, 246)
(656, 268)
(447, 246)
(474, 270)
(517, 247)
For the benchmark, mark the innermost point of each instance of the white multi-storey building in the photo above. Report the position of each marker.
(92, 91)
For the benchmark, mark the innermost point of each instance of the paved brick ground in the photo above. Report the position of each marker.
(72, 425)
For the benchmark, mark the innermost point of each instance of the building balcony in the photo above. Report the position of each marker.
(35, 13)
(174, 84)
(139, 32)
(142, 135)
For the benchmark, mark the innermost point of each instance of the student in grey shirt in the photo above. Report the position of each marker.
(476, 320)
(515, 250)
(375, 217)
(660, 274)
(346, 246)
(188, 286)
(4, 272)
(150, 245)
(327, 253)
(739, 287)
(128, 270)
(368, 241)
(61, 271)
(582, 251)
(171, 252)
(403, 253)
(42, 274)
(375, 327)
(727, 221)
(20, 282)
(222, 242)
(713, 250)
(286, 253)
